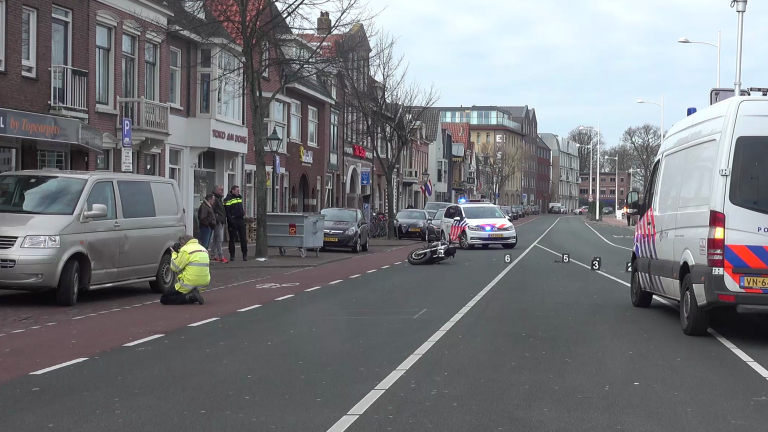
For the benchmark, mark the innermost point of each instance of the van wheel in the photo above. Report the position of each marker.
(694, 320)
(640, 298)
(69, 284)
(165, 278)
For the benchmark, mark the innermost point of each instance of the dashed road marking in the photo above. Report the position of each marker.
(354, 276)
(385, 267)
(202, 322)
(371, 271)
(248, 308)
(58, 366)
(334, 282)
(374, 394)
(129, 344)
(284, 297)
(314, 288)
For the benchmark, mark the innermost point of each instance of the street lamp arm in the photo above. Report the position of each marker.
(705, 43)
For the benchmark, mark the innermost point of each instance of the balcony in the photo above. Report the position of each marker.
(69, 91)
(410, 176)
(146, 116)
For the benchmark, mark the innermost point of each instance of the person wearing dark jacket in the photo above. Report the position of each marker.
(233, 204)
(221, 220)
(206, 219)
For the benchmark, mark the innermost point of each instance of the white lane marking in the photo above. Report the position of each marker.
(728, 344)
(58, 366)
(586, 266)
(18, 331)
(374, 394)
(284, 297)
(2, 334)
(35, 327)
(417, 315)
(53, 323)
(354, 276)
(385, 267)
(334, 282)
(436, 337)
(390, 379)
(144, 340)
(371, 271)
(312, 289)
(399, 262)
(604, 239)
(202, 322)
(248, 308)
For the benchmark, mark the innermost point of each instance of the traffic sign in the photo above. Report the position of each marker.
(365, 178)
(127, 133)
(127, 159)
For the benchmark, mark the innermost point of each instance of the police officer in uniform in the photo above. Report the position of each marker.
(233, 203)
(190, 262)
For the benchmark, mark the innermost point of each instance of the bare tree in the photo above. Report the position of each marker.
(279, 44)
(585, 138)
(626, 155)
(645, 142)
(388, 108)
(497, 164)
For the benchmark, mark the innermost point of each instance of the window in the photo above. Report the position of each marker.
(103, 64)
(135, 199)
(150, 164)
(28, 42)
(204, 80)
(749, 181)
(174, 165)
(277, 121)
(2, 35)
(164, 197)
(103, 193)
(295, 132)
(129, 66)
(51, 159)
(205, 175)
(229, 101)
(621, 179)
(328, 190)
(60, 54)
(313, 126)
(175, 88)
(613, 180)
(151, 77)
(612, 192)
(104, 161)
(264, 60)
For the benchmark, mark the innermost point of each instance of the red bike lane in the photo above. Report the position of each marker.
(85, 336)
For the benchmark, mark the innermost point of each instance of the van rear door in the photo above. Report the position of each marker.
(746, 202)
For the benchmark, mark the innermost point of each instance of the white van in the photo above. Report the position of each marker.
(702, 236)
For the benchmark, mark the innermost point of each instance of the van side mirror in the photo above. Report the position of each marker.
(97, 211)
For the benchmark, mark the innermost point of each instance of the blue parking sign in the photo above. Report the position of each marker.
(365, 178)
(127, 133)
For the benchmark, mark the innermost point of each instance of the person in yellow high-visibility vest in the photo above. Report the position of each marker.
(191, 263)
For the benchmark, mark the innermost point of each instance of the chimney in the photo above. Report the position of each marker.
(324, 24)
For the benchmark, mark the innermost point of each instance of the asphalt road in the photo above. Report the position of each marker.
(478, 343)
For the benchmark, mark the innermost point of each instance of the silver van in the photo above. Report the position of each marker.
(702, 234)
(75, 231)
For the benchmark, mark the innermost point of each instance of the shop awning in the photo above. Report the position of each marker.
(21, 124)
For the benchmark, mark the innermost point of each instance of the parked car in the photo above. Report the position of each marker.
(436, 223)
(519, 211)
(435, 206)
(411, 223)
(345, 228)
(581, 211)
(608, 210)
(73, 231)
(535, 210)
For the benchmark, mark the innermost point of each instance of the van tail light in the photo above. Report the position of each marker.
(716, 239)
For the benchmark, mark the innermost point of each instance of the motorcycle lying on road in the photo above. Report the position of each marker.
(432, 253)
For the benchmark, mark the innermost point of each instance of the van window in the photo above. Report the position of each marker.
(749, 175)
(672, 170)
(103, 193)
(696, 188)
(652, 186)
(136, 199)
(165, 199)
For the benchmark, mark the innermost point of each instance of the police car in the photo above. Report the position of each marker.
(485, 224)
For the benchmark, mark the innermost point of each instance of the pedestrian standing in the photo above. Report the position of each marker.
(221, 220)
(206, 220)
(190, 261)
(233, 203)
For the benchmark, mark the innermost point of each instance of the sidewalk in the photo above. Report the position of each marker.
(293, 259)
(611, 220)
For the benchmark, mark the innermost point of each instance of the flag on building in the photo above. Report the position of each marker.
(457, 228)
(427, 188)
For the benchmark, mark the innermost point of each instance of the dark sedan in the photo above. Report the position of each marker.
(411, 223)
(345, 228)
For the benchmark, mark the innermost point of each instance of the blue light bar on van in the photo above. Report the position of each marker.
(691, 111)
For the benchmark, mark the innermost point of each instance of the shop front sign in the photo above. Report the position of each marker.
(219, 134)
(358, 151)
(22, 124)
(305, 155)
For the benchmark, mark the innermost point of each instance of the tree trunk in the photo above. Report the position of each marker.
(257, 123)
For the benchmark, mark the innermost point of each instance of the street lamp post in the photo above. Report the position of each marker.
(741, 8)
(616, 188)
(640, 101)
(597, 179)
(274, 141)
(686, 41)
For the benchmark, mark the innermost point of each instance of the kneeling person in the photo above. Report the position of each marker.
(190, 262)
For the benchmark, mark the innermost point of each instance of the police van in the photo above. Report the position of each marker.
(702, 233)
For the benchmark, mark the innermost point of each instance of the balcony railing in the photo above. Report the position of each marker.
(69, 88)
(145, 114)
(410, 175)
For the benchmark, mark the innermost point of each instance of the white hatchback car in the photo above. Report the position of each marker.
(487, 225)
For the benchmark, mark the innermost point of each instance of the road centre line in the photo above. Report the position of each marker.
(202, 322)
(371, 271)
(284, 297)
(143, 340)
(334, 282)
(386, 266)
(593, 230)
(312, 289)
(248, 308)
(354, 276)
(374, 394)
(58, 366)
(728, 344)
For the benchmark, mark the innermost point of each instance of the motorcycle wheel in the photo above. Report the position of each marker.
(418, 257)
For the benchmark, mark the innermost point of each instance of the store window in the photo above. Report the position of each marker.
(51, 159)
(174, 165)
(104, 161)
(7, 155)
(150, 164)
(205, 175)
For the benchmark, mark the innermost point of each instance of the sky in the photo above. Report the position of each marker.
(577, 62)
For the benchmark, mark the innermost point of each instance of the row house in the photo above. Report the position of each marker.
(565, 170)
(69, 71)
(461, 171)
(439, 157)
(529, 159)
(413, 172)
(543, 174)
(611, 183)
